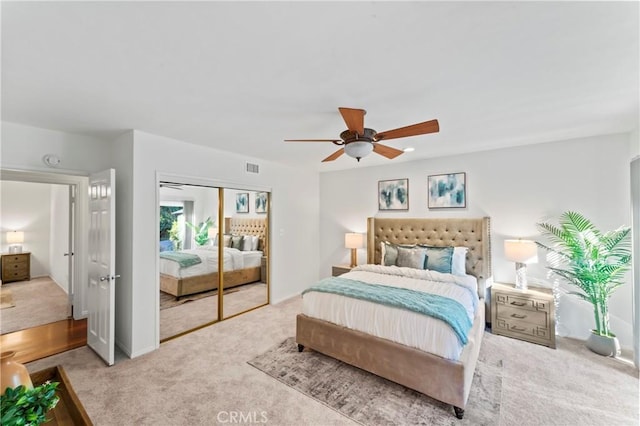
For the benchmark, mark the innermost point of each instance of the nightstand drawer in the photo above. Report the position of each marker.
(15, 275)
(521, 328)
(14, 261)
(536, 318)
(522, 302)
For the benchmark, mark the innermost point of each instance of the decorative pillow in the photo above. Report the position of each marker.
(459, 261)
(227, 240)
(439, 258)
(255, 245)
(247, 242)
(390, 253)
(415, 258)
(236, 242)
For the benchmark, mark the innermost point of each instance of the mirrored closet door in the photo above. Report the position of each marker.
(192, 217)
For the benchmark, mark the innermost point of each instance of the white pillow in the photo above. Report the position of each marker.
(255, 242)
(247, 243)
(459, 261)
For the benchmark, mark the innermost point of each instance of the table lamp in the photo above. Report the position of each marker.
(522, 252)
(15, 240)
(354, 241)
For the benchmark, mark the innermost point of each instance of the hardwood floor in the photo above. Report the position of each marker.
(45, 340)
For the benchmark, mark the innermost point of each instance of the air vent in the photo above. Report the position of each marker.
(253, 168)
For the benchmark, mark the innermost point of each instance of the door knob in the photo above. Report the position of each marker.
(115, 276)
(105, 278)
(67, 254)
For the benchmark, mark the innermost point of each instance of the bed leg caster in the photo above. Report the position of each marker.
(459, 412)
(300, 347)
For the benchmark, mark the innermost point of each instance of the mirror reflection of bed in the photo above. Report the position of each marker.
(189, 255)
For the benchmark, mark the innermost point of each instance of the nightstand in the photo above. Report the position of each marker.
(16, 267)
(524, 314)
(339, 270)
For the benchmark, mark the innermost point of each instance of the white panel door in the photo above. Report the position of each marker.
(101, 295)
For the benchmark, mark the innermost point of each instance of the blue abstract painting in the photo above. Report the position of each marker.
(393, 194)
(447, 191)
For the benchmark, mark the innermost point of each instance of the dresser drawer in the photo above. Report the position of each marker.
(15, 274)
(537, 318)
(14, 261)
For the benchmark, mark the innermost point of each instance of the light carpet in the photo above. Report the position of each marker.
(6, 299)
(37, 302)
(372, 400)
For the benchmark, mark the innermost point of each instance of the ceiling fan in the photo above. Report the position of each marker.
(358, 141)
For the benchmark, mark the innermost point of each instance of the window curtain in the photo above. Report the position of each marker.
(188, 232)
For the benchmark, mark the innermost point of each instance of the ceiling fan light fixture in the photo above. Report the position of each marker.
(358, 149)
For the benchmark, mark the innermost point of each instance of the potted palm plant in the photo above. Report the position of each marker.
(593, 261)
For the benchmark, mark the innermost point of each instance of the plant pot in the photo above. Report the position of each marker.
(603, 345)
(13, 373)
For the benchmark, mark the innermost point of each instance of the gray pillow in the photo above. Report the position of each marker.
(391, 253)
(236, 241)
(415, 258)
(439, 258)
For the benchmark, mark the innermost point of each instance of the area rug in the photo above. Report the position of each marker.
(6, 299)
(371, 400)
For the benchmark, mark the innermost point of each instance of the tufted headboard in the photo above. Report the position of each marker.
(473, 233)
(247, 226)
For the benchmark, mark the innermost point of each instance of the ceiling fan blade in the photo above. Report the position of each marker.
(354, 118)
(312, 140)
(430, 126)
(386, 151)
(335, 155)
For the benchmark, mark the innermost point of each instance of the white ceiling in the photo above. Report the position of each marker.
(244, 76)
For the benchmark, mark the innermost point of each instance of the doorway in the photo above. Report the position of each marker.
(66, 227)
(36, 284)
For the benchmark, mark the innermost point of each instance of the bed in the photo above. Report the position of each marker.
(444, 377)
(240, 266)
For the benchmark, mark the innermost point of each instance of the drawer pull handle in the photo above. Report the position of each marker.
(513, 327)
(518, 303)
(518, 316)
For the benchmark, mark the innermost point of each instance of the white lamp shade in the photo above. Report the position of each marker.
(15, 237)
(521, 251)
(353, 240)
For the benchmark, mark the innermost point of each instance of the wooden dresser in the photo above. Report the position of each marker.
(524, 314)
(16, 267)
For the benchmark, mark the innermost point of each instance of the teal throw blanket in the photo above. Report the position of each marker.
(436, 306)
(184, 259)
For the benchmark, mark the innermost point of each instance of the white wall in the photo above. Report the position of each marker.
(24, 146)
(25, 207)
(294, 221)
(59, 241)
(516, 187)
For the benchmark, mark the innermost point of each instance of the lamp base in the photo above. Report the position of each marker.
(354, 258)
(14, 249)
(521, 276)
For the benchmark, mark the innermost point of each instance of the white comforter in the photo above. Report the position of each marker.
(398, 325)
(233, 259)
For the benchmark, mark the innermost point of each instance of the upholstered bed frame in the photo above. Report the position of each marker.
(180, 287)
(442, 379)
